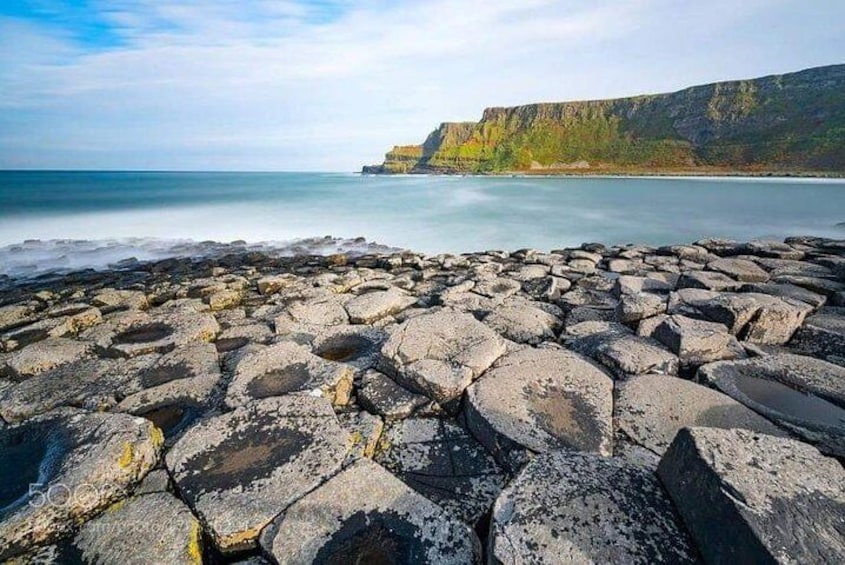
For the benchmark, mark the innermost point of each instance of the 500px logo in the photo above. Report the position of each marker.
(59, 494)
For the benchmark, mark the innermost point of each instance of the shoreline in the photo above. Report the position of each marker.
(243, 394)
(681, 174)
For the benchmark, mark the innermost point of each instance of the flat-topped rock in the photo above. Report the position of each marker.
(240, 469)
(372, 306)
(15, 315)
(366, 515)
(786, 290)
(650, 409)
(697, 342)
(784, 501)
(568, 507)
(45, 355)
(440, 354)
(757, 318)
(113, 298)
(380, 394)
(822, 335)
(163, 331)
(152, 528)
(63, 468)
(285, 368)
(93, 384)
(742, 270)
(708, 280)
(525, 322)
(623, 353)
(325, 309)
(443, 462)
(357, 346)
(803, 394)
(540, 400)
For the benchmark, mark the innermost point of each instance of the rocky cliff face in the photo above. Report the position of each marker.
(791, 122)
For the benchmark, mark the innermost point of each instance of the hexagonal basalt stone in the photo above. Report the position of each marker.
(650, 409)
(60, 469)
(373, 306)
(697, 342)
(442, 461)
(94, 384)
(366, 515)
(287, 367)
(540, 400)
(379, 394)
(802, 394)
(568, 507)
(440, 354)
(823, 335)
(623, 353)
(783, 501)
(45, 355)
(358, 346)
(152, 528)
(742, 270)
(525, 321)
(757, 318)
(166, 330)
(239, 470)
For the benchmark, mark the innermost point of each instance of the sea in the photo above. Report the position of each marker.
(58, 221)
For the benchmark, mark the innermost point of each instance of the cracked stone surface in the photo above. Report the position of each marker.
(650, 409)
(440, 354)
(783, 499)
(239, 470)
(83, 461)
(569, 507)
(366, 515)
(540, 400)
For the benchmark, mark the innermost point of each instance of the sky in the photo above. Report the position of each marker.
(329, 85)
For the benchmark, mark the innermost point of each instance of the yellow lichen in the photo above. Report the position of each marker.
(157, 437)
(195, 543)
(127, 455)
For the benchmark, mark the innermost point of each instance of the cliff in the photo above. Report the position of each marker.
(793, 122)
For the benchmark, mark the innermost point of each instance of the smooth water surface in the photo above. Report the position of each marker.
(424, 213)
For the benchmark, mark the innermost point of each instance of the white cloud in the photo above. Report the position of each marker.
(281, 85)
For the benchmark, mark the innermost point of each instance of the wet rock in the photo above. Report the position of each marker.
(802, 394)
(45, 355)
(525, 322)
(635, 307)
(239, 470)
(822, 335)
(63, 468)
(379, 394)
(697, 342)
(650, 409)
(372, 306)
(783, 500)
(757, 318)
(440, 354)
(366, 515)
(742, 270)
(285, 368)
(164, 331)
(541, 399)
(623, 353)
(568, 507)
(443, 462)
(153, 528)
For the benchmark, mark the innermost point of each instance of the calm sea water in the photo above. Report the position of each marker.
(430, 214)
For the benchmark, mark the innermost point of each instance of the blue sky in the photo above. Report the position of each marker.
(332, 84)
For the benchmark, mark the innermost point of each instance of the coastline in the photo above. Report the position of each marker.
(358, 374)
(646, 173)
